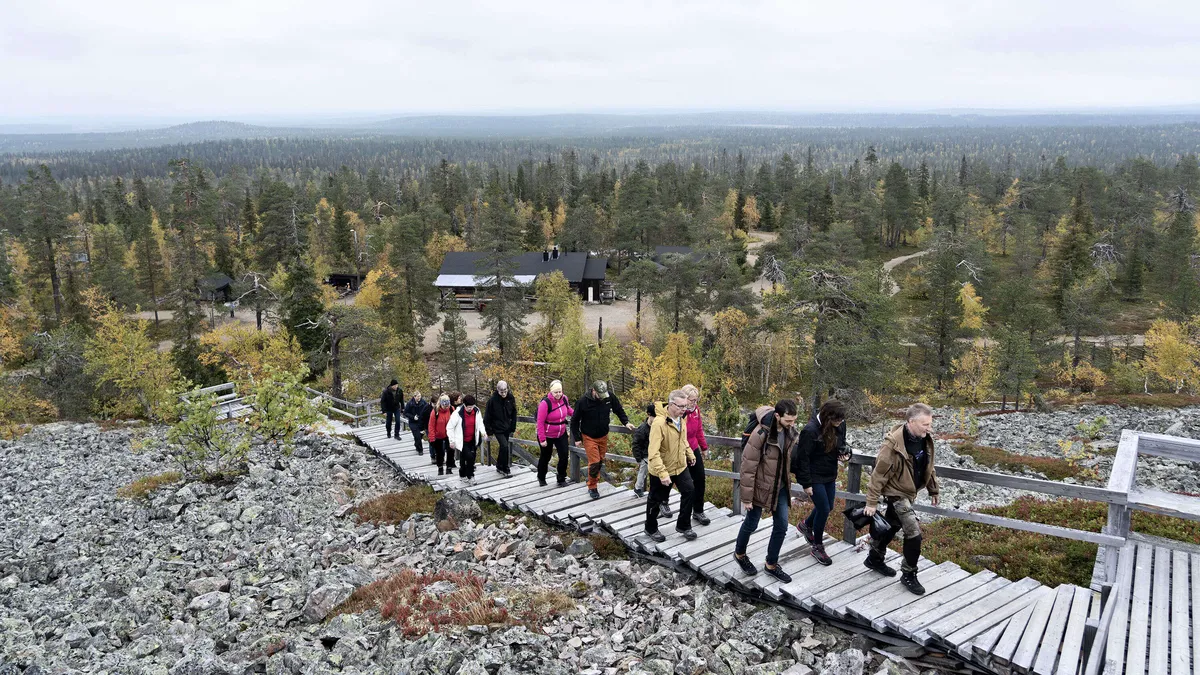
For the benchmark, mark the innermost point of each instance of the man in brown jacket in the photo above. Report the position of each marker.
(669, 456)
(766, 483)
(904, 465)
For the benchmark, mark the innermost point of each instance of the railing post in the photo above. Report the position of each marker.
(1120, 479)
(853, 485)
(574, 464)
(737, 481)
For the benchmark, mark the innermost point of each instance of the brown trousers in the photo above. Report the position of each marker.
(597, 449)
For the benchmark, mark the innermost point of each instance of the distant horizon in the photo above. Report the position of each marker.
(51, 124)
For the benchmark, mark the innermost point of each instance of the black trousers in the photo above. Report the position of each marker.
(416, 432)
(466, 465)
(439, 449)
(659, 494)
(696, 471)
(502, 454)
(552, 444)
(390, 416)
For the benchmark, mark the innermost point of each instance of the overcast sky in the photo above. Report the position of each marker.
(298, 58)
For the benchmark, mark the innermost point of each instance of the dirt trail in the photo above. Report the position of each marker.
(891, 265)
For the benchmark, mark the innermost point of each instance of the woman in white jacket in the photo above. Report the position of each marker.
(466, 433)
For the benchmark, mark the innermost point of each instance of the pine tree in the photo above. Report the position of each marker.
(1176, 264)
(453, 346)
(45, 223)
(279, 236)
(301, 307)
(108, 266)
(940, 327)
(410, 305)
(504, 311)
(1016, 365)
(1071, 260)
(897, 205)
(343, 244)
(150, 259)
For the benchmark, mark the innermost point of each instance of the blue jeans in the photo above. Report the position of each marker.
(822, 499)
(778, 529)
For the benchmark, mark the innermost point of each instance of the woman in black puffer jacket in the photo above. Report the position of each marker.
(822, 444)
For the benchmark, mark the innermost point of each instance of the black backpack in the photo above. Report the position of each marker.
(753, 424)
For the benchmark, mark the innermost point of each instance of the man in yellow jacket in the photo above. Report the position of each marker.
(904, 466)
(669, 456)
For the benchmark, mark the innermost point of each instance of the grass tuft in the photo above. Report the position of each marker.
(145, 486)
(396, 507)
(1052, 467)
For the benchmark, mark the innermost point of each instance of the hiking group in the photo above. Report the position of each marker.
(670, 448)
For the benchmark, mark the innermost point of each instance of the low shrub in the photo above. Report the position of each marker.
(1052, 467)
(407, 599)
(396, 507)
(145, 486)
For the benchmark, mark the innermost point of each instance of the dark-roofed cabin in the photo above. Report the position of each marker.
(216, 287)
(347, 281)
(459, 277)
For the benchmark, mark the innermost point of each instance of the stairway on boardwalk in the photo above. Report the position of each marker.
(982, 619)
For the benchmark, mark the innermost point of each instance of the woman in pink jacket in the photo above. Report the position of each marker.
(699, 445)
(553, 420)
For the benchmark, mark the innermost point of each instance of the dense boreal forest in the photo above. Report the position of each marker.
(1047, 253)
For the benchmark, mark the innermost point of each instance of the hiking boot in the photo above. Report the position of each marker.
(542, 482)
(700, 518)
(657, 536)
(639, 492)
(779, 574)
(664, 511)
(506, 474)
(818, 551)
(441, 471)
(879, 566)
(743, 562)
(594, 493)
(688, 534)
(562, 483)
(807, 533)
(909, 581)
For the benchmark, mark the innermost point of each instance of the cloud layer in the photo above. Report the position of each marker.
(225, 58)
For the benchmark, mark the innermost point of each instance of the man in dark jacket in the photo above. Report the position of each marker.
(416, 411)
(389, 403)
(500, 418)
(589, 426)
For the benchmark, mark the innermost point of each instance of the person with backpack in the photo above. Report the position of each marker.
(553, 419)
(389, 403)
(589, 427)
(669, 457)
(904, 466)
(500, 417)
(417, 412)
(466, 433)
(815, 464)
(699, 445)
(766, 483)
(439, 419)
(640, 444)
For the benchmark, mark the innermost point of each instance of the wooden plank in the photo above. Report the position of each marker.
(1195, 557)
(794, 558)
(1118, 597)
(1001, 653)
(1047, 651)
(1165, 503)
(703, 532)
(724, 570)
(539, 503)
(844, 563)
(1172, 447)
(985, 620)
(1072, 644)
(1160, 612)
(931, 601)
(608, 496)
(1180, 620)
(1139, 616)
(861, 586)
(870, 607)
(1025, 651)
(916, 624)
(983, 643)
(722, 531)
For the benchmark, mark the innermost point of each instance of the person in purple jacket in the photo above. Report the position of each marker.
(553, 424)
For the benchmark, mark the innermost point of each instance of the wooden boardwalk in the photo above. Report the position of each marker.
(982, 619)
